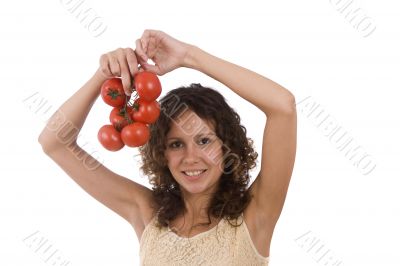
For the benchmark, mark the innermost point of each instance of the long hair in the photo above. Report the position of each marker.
(232, 195)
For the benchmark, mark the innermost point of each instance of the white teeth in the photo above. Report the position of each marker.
(194, 173)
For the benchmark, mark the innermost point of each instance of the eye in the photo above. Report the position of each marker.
(205, 141)
(174, 145)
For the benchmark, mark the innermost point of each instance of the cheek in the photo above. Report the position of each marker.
(172, 159)
(214, 155)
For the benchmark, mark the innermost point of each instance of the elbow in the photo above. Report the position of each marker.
(43, 138)
(48, 142)
(290, 104)
(51, 142)
(285, 106)
(42, 141)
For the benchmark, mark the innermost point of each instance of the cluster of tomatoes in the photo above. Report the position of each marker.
(131, 115)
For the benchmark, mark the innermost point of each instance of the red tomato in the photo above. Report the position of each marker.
(147, 85)
(113, 93)
(110, 138)
(135, 134)
(145, 112)
(120, 117)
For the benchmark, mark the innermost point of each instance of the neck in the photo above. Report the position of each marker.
(197, 205)
(196, 208)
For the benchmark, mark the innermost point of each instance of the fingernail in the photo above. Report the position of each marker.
(144, 57)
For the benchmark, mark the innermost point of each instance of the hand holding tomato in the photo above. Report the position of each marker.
(120, 63)
(166, 52)
(129, 123)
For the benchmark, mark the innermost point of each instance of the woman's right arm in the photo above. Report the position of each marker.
(71, 116)
(59, 141)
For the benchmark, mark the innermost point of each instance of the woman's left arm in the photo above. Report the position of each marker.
(264, 93)
(279, 141)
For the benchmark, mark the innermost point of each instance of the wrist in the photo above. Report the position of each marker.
(99, 76)
(190, 60)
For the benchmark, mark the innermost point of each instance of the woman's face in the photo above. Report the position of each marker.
(194, 154)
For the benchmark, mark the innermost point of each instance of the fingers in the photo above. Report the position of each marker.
(152, 68)
(142, 62)
(132, 61)
(120, 63)
(146, 47)
(147, 44)
(140, 51)
(114, 65)
(166, 52)
(141, 55)
(125, 73)
(145, 39)
(104, 66)
(150, 34)
(145, 66)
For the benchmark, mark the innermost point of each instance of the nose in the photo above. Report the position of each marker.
(191, 154)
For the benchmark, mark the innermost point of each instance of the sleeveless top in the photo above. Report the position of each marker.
(222, 245)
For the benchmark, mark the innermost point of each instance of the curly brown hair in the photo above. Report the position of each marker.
(232, 195)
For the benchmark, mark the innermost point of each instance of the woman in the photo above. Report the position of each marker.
(200, 211)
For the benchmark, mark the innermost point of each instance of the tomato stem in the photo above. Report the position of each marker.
(126, 114)
(113, 93)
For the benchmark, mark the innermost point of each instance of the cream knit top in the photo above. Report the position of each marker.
(221, 245)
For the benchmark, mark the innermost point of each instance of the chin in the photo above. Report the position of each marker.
(193, 188)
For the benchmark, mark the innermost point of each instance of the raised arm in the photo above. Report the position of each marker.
(278, 104)
(59, 142)
(279, 141)
(264, 93)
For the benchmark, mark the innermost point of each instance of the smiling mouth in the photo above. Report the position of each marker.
(194, 174)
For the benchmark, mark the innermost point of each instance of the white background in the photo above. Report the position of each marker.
(307, 46)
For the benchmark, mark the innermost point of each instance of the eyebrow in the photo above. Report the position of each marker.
(198, 135)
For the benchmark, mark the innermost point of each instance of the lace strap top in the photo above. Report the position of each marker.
(221, 245)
